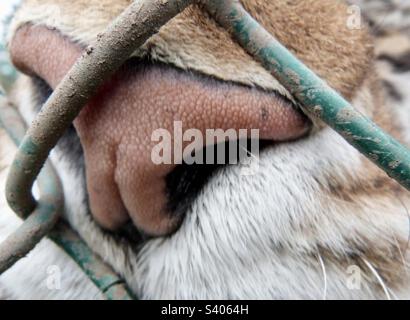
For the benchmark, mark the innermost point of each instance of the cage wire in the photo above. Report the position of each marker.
(125, 34)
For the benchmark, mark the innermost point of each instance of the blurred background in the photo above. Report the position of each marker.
(5, 10)
(7, 73)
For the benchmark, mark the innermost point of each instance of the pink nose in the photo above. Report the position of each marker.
(117, 127)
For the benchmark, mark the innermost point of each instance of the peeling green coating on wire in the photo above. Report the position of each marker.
(125, 34)
(111, 49)
(110, 284)
(316, 98)
(141, 20)
(44, 220)
(45, 213)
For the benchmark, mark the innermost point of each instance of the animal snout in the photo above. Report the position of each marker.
(133, 130)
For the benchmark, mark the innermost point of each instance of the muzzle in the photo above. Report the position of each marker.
(129, 31)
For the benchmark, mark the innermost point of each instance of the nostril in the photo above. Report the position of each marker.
(186, 181)
(130, 232)
(116, 128)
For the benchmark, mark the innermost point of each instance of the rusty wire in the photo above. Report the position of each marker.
(140, 21)
(44, 220)
(100, 60)
(316, 98)
(112, 48)
(48, 208)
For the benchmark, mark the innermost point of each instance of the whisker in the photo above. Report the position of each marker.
(249, 152)
(379, 279)
(394, 295)
(324, 275)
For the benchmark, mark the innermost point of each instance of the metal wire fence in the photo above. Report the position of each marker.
(129, 31)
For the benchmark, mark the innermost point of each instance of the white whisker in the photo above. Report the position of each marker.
(248, 152)
(324, 275)
(394, 295)
(379, 279)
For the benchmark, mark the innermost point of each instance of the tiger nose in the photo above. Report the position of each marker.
(117, 130)
(117, 126)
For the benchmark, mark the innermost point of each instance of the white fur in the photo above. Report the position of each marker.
(28, 278)
(277, 234)
(260, 238)
(252, 237)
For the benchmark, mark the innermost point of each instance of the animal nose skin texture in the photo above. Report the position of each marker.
(116, 126)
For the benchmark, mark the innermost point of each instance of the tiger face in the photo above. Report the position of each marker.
(315, 215)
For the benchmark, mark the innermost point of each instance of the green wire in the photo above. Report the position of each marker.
(315, 96)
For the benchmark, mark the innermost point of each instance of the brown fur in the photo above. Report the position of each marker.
(316, 31)
(322, 22)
